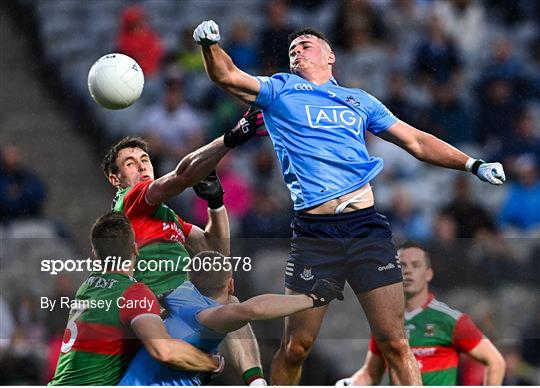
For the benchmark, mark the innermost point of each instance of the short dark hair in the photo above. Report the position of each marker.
(112, 235)
(307, 31)
(418, 245)
(210, 282)
(109, 161)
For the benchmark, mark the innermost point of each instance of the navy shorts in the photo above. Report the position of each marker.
(356, 247)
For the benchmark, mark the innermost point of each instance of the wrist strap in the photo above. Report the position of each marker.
(252, 374)
(218, 209)
(473, 165)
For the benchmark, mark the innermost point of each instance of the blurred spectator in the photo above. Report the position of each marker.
(20, 364)
(172, 127)
(273, 39)
(521, 209)
(138, 40)
(448, 253)
(241, 47)
(357, 15)
(449, 118)
(267, 218)
(399, 101)
(365, 64)
(503, 64)
(524, 140)
(498, 106)
(225, 114)
(22, 193)
(436, 58)
(518, 372)
(465, 22)
(533, 70)
(7, 324)
(469, 215)
(407, 221)
(491, 259)
(189, 56)
(530, 339)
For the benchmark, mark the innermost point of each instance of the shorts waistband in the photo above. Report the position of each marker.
(336, 217)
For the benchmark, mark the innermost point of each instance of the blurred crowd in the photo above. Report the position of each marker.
(467, 71)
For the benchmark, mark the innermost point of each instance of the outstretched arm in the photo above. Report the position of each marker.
(192, 168)
(233, 316)
(487, 354)
(433, 150)
(220, 67)
(230, 317)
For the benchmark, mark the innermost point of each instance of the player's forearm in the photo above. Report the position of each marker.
(272, 306)
(187, 357)
(362, 377)
(218, 64)
(432, 150)
(494, 373)
(217, 232)
(198, 164)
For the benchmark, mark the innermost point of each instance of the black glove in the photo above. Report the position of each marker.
(245, 129)
(208, 377)
(210, 190)
(324, 291)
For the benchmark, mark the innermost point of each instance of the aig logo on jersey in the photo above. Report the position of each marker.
(304, 87)
(333, 117)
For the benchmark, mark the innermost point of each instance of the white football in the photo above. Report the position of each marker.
(115, 81)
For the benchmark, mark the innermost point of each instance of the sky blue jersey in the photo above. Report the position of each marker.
(319, 135)
(183, 304)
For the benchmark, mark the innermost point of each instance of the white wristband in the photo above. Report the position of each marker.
(469, 164)
(222, 207)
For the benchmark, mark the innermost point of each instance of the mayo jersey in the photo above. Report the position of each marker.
(183, 304)
(319, 135)
(437, 334)
(160, 235)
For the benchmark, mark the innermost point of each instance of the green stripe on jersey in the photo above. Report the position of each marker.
(440, 377)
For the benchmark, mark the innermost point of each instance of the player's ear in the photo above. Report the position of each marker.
(230, 286)
(113, 180)
(429, 274)
(331, 57)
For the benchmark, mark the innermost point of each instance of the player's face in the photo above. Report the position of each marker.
(416, 273)
(134, 165)
(309, 53)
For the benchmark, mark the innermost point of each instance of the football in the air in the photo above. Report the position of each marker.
(115, 81)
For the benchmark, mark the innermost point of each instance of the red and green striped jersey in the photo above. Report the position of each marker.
(437, 334)
(98, 341)
(160, 234)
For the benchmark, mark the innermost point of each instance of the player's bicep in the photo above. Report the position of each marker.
(403, 135)
(169, 185)
(196, 241)
(224, 319)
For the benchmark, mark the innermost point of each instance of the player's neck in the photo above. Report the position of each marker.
(417, 301)
(318, 78)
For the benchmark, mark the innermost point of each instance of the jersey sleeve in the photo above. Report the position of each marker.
(373, 347)
(270, 88)
(133, 296)
(466, 334)
(380, 117)
(135, 204)
(186, 227)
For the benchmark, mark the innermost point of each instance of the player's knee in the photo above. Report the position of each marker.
(297, 349)
(394, 350)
